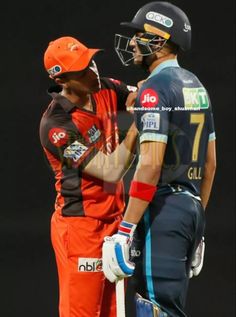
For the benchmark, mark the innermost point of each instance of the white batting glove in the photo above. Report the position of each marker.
(198, 258)
(116, 253)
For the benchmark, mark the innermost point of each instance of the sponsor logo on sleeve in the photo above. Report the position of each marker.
(58, 136)
(93, 134)
(75, 151)
(89, 265)
(149, 98)
(151, 121)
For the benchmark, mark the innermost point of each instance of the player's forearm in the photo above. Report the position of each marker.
(131, 138)
(118, 162)
(148, 171)
(135, 210)
(111, 168)
(207, 182)
(209, 173)
(136, 207)
(147, 174)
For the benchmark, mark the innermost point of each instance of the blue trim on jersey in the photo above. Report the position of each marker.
(148, 264)
(159, 68)
(212, 136)
(149, 136)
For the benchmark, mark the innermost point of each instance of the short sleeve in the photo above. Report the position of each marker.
(152, 112)
(66, 144)
(122, 91)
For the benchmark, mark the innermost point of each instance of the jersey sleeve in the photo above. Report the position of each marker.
(152, 112)
(122, 91)
(65, 144)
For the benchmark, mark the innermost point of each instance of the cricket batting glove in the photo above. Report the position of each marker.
(198, 258)
(116, 253)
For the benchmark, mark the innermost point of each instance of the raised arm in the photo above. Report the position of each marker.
(111, 168)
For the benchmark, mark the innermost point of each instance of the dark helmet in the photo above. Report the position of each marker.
(163, 19)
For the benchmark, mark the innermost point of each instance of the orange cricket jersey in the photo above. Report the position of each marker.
(71, 137)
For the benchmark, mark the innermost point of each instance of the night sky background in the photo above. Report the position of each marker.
(28, 277)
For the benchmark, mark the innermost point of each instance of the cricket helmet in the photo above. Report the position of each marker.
(162, 19)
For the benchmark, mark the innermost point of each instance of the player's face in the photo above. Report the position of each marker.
(84, 82)
(138, 58)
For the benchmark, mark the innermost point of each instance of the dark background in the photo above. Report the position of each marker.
(28, 278)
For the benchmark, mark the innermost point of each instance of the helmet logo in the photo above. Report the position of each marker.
(187, 27)
(159, 18)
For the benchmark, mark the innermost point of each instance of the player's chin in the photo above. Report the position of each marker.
(137, 60)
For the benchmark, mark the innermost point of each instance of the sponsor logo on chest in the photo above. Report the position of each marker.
(195, 98)
(75, 151)
(93, 134)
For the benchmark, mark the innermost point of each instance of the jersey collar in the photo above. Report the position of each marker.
(54, 91)
(159, 68)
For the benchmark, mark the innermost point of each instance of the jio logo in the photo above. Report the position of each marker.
(58, 136)
(149, 98)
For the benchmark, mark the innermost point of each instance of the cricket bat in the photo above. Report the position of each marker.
(120, 298)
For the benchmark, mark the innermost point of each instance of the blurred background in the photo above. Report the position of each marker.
(28, 277)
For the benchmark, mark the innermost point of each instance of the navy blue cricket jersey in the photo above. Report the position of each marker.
(174, 107)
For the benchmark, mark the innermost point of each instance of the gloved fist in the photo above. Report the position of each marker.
(197, 262)
(116, 253)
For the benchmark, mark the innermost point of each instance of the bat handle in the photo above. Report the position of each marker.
(120, 298)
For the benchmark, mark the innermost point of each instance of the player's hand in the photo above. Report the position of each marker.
(198, 258)
(140, 83)
(130, 101)
(116, 253)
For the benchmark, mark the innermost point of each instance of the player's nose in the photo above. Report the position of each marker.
(132, 42)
